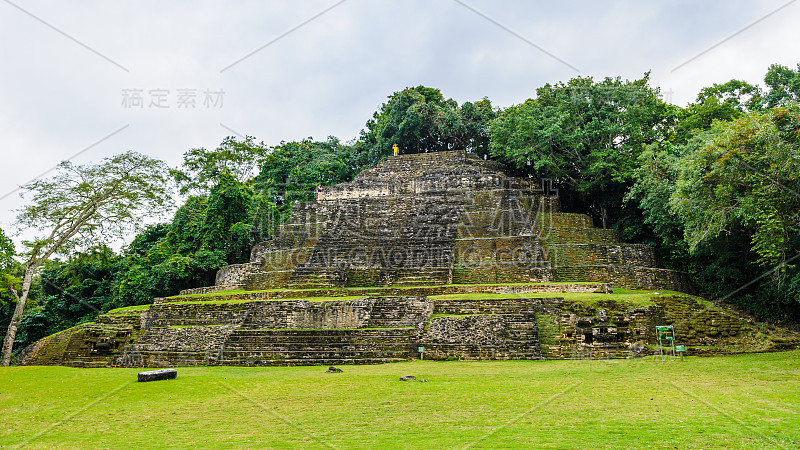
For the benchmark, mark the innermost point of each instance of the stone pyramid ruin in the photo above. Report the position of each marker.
(441, 218)
(437, 256)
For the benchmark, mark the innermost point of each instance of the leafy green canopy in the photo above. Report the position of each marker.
(783, 84)
(723, 102)
(202, 168)
(301, 166)
(725, 208)
(7, 251)
(71, 292)
(743, 176)
(421, 120)
(205, 234)
(82, 204)
(586, 136)
(291, 173)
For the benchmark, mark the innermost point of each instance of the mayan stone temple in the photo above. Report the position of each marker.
(436, 256)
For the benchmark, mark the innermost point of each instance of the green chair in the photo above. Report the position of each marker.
(665, 337)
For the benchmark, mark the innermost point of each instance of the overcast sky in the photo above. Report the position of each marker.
(91, 79)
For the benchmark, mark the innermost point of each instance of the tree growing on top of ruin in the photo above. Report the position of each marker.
(421, 120)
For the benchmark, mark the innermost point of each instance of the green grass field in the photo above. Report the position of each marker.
(745, 401)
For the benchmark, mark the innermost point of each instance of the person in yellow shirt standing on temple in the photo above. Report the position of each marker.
(395, 149)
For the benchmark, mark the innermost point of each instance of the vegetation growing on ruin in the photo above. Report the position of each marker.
(629, 297)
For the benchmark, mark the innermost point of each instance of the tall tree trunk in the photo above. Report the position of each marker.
(604, 213)
(11, 334)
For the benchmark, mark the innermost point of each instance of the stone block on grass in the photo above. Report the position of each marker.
(155, 375)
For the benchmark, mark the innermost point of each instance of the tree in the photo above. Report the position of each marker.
(293, 170)
(81, 204)
(8, 278)
(744, 176)
(718, 102)
(783, 84)
(725, 209)
(7, 251)
(421, 120)
(655, 183)
(585, 135)
(88, 276)
(202, 168)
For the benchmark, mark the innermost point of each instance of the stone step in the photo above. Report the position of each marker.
(308, 286)
(89, 362)
(319, 343)
(467, 350)
(315, 354)
(283, 352)
(328, 333)
(309, 361)
(419, 283)
(321, 337)
(317, 338)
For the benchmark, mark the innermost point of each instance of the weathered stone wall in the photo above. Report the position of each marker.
(381, 329)
(502, 272)
(268, 280)
(176, 346)
(696, 324)
(554, 218)
(483, 329)
(194, 314)
(194, 338)
(632, 277)
(235, 274)
(601, 254)
(368, 330)
(296, 314)
(207, 290)
(569, 235)
(579, 252)
(601, 333)
(309, 315)
(511, 305)
(481, 337)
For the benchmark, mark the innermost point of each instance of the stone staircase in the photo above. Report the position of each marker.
(383, 241)
(260, 347)
(310, 278)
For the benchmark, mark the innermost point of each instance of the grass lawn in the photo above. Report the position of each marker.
(745, 401)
